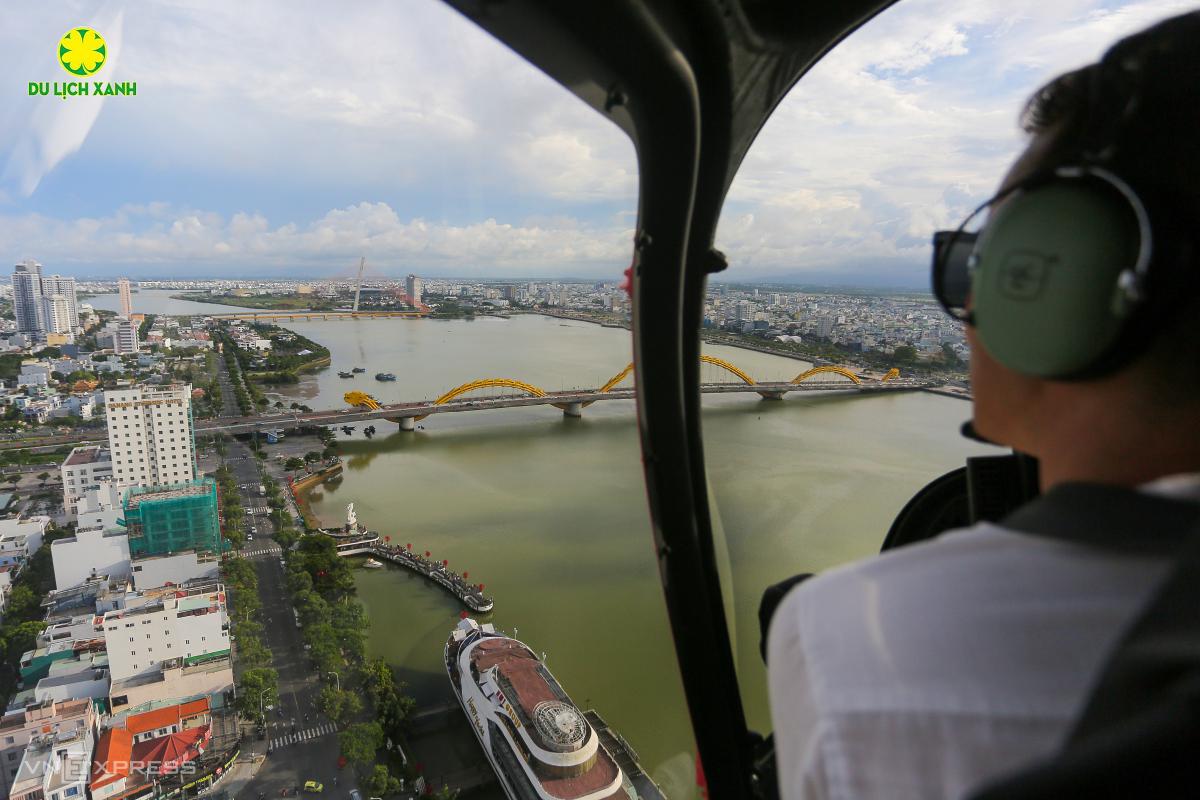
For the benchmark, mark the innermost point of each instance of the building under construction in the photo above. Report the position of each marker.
(173, 518)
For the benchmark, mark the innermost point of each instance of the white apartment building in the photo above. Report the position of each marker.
(18, 727)
(27, 297)
(56, 315)
(56, 766)
(150, 436)
(82, 470)
(124, 335)
(89, 553)
(189, 624)
(21, 537)
(59, 285)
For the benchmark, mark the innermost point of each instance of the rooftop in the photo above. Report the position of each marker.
(165, 717)
(111, 762)
(138, 495)
(86, 455)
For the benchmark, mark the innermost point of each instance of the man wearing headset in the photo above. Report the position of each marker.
(937, 668)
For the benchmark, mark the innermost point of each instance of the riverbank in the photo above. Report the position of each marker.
(300, 487)
(257, 302)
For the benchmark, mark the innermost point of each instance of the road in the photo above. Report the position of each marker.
(300, 743)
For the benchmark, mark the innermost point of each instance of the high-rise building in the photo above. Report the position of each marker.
(124, 336)
(150, 435)
(27, 297)
(126, 298)
(56, 315)
(43, 304)
(412, 287)
(60, 285)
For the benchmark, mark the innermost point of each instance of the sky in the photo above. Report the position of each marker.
(287, 138)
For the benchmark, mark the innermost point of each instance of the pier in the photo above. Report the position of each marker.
(353, 539)
(470, 594)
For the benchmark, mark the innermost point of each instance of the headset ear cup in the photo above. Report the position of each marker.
(1047, 266)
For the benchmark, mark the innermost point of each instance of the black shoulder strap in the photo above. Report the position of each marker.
(1111, 517)
(1138, 733)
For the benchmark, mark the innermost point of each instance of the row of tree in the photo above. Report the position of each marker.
(258, 685)
(232, 511)
(24, 617)
(334, 628)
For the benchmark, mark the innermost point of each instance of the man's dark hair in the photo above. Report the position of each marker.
(1136, 113)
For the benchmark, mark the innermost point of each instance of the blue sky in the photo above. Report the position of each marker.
(282, 139)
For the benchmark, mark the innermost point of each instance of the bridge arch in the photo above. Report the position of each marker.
(725, 365)
(615, 379)
(488, 383)
(827, 369)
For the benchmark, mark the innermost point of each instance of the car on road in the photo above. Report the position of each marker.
(355, 794)
(314, 786)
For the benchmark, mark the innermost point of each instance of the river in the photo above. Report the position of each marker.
(550, 513)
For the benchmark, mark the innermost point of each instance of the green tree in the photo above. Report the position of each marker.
(20, 639)
(43, 477)
(294, 463)
(322, 647)
(392, 706)
(339, 705)
(905, 354)
(287, 536)
(253, 684)
(22, 604)
(359, 742)
(329, 453)
(298, 583)
(252, 652)
(314, 611)
(381, 782)
(948, 354)
(311, 456)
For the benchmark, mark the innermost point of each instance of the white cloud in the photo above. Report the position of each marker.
(437, 143)
(904, 128)
(155, 235)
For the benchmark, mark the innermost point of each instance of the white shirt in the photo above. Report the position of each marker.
(928, 670)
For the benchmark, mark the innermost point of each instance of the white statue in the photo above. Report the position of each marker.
(351, 517)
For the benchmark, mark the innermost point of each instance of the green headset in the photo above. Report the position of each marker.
(1057, 276)
(1071, 274)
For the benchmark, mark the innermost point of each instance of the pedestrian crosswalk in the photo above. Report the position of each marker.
(324, 729)
(258, 551)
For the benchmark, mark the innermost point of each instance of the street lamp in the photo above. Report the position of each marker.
(337, 678)
(260, 703)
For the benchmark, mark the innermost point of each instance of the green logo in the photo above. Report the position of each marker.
(81, 51)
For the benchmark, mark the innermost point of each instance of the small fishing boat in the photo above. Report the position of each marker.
(373, 564)
(345, 374)
(359, 369)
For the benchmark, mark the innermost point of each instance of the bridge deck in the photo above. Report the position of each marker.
(395, 411)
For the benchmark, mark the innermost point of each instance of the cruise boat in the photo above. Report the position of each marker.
(540, 744)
